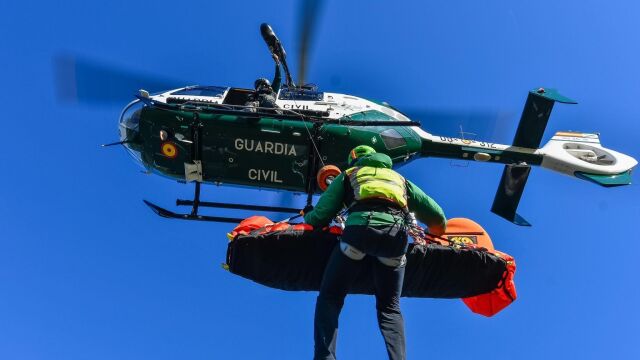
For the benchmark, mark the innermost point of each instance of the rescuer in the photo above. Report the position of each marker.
(379, 201)
(265, 91)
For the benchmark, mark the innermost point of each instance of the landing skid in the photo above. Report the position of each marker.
(196, 204)
(171, 215)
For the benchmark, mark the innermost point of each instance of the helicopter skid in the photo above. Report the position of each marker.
(171, 215)
(196, 204)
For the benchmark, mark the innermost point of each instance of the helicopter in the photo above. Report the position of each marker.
(208, 134)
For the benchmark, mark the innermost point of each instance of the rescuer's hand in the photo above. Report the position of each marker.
(275, 58)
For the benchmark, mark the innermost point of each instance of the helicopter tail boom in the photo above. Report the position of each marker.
(571, 153)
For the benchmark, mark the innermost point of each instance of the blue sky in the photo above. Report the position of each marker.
(87, 272)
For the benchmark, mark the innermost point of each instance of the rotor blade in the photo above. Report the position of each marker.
(308, 16)
(86, 81)
(496, 126)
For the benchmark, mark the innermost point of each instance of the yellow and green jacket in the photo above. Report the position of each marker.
(372, 177)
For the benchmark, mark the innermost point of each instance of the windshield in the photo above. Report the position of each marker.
(301, 94)
(130, 117)
(212, 91)
(129, 127)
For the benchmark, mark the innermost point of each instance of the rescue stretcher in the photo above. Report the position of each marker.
(460, 264)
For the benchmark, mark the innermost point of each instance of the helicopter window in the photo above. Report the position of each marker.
(237, 96)
(369, 115)
(392, 139)
(302, 94)
(130, 117)
(213, 91)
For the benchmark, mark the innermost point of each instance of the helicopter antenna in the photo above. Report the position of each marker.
(117, 143)
(308, 16)
(462, 133)
(465, 163)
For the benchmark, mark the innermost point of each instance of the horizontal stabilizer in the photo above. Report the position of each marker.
(535, 116)
(606, 180)
(505, 203)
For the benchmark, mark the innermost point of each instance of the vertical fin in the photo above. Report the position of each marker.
(505, 203)
(535, 116)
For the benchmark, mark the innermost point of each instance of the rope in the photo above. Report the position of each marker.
(418, 233)
(313, 142)
(288, 219)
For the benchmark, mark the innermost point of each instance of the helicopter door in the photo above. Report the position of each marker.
(236, 96)
(267, 153)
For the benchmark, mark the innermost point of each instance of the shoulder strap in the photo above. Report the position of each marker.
(348, 191)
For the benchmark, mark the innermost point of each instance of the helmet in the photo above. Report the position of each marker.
(261, 83)
(358, 152)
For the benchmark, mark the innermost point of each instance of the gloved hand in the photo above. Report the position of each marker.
(276, 58)
(306, 210)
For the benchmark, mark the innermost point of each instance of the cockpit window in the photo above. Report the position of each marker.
(301, 94)
(130, 129)
(213, 91)
(130, 117)
(392, 139)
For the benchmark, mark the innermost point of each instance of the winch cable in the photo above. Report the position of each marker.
(418, 233)
(313, 142)
(287, 220)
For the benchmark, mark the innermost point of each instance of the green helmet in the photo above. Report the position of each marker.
(358, 152)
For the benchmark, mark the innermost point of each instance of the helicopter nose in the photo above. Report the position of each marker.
(129, 126)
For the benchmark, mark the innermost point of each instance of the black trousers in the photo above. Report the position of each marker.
(339, 274)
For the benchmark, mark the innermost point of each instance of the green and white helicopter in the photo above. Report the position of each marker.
(208, 134)
(216, 135)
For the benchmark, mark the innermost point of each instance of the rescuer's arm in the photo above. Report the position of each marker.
(277, 78)
(330, 203)
(426, 209)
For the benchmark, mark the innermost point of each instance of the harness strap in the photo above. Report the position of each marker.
(378, 204)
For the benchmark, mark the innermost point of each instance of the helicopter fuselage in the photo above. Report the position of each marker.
(241, 148)
(214, 135)
(220, 135)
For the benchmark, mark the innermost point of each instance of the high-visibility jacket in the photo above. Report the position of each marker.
(374, 178)
(376, 183)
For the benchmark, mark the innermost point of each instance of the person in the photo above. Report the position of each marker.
(265, 92)
(379, 201)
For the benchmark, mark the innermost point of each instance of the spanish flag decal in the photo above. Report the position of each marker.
(169, 149)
